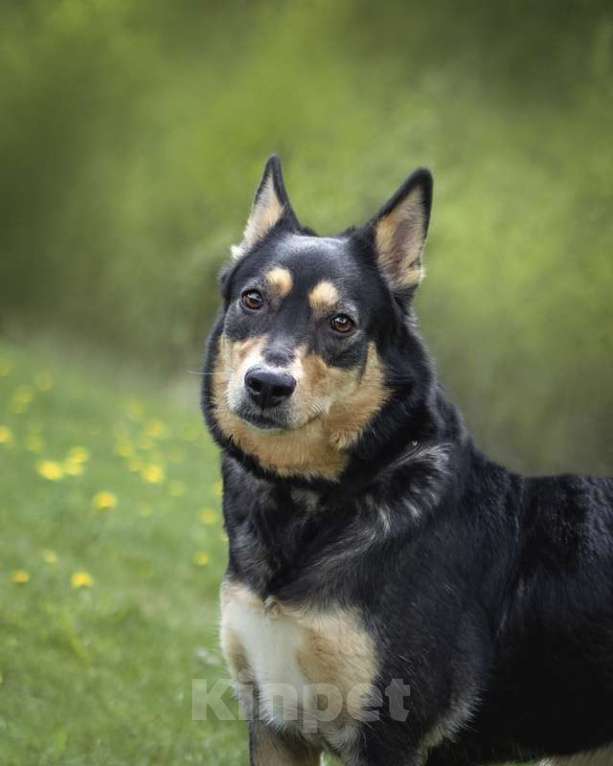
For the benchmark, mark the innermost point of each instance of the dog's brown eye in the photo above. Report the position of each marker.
(341, 323)
(252, 299)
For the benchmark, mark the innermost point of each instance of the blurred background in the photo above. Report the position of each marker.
(133, 134)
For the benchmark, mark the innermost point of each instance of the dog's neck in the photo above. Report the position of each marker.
(291, 530)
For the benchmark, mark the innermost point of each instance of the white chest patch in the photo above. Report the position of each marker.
(311, 670)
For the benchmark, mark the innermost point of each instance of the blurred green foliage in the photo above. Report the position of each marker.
(134, 132)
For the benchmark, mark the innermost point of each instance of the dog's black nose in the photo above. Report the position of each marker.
(267, 388)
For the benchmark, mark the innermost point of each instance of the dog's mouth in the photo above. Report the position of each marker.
(271, 420)
(264, 420)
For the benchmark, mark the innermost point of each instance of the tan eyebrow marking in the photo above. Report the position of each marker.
(323, 297)
(280, 281)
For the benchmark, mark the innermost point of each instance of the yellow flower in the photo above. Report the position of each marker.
(153, 474)
(176, 489)
(208, 516)
(20, 577)
(49, 556)
(124, 449)
(35, 443)
(81, 579)
(78, 455)
(49, 469)
(105, 501)
(6, 436)
(72, 468)
(44, 381)
(218, 489)
(155, 429)
(201, 559)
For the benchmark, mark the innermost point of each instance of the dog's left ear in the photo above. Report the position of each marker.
(399, 232)
(270, 207)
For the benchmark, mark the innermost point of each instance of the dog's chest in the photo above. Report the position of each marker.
(292, 656)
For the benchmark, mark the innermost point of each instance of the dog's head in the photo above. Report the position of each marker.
(296, 369)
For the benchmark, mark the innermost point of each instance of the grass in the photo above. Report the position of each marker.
(119, 613)
(111, 555)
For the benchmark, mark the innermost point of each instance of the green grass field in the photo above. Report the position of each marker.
(111, 555)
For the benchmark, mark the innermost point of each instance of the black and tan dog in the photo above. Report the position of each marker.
(393, 596)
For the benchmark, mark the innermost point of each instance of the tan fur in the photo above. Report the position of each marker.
(323, 297)
(332, 408)
(399, 240)
(269, 749)
(265, 213)
(338, 651)
(236, 657)
(304, 646)
(280, 281)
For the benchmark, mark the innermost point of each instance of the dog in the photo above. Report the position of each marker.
(393, 596)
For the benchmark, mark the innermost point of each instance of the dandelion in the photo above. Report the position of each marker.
(208, 517)
(35, 443)
(72, 468)
(153, 474)
(176, 489)
(74, 465)
(201, 559)
(50, 470)
(6, 436)
(50, 557)
(81, 579)
(78, 455)
(155, 429)
(44, 381)
(105, 501)
(20, 577)
(124, 449)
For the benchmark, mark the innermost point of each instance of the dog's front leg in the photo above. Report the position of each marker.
(268, 747)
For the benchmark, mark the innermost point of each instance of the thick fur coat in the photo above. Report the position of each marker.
(393, 596)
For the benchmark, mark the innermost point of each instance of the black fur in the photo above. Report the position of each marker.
(488, 593)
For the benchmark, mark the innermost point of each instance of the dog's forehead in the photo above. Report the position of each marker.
(310, 258)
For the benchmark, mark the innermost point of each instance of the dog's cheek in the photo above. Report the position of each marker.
(357, 402)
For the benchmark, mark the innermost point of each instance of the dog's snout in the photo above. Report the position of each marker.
(268, 388)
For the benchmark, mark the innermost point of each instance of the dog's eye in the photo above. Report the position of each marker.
(341, 323)
(252, 300)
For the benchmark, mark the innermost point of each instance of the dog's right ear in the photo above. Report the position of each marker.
(270, 206)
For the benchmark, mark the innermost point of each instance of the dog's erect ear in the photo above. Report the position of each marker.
(270, 206)
(399, 232)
